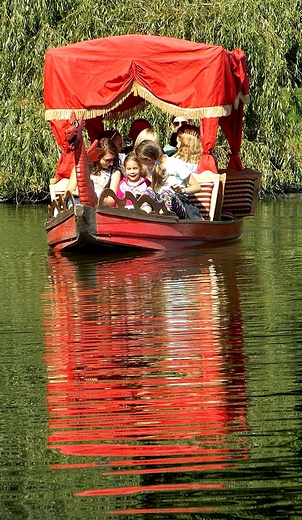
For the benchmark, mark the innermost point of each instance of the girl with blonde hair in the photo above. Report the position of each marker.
(189, 147)
(170, 177)
(148, 134)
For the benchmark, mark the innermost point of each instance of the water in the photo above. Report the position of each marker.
(163, 385)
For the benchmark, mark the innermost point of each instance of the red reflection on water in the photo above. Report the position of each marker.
(138, 489)
(144, 369)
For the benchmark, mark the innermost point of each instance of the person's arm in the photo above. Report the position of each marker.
(72, 183)
(114, 182)
(120, 191)
(184, 175)
(192, 186)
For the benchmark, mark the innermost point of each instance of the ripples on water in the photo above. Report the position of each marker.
(164, 385)
(141, 369)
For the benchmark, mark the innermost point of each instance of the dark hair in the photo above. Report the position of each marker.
(106, 145)
(187, 118)
(110, 134)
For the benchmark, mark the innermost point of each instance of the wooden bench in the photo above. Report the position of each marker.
(240, 192)
(206, 200)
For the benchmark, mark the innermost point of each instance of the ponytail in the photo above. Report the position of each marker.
(150, 150)
(159, 175)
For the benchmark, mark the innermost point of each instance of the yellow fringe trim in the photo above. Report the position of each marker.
(138, 90)
(64, 113)
(245, 98)
(127, 113)
(190, 113)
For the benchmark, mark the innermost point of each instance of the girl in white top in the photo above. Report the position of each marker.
(104, 173)
(169, 177)
(189, 147)
(116, 138)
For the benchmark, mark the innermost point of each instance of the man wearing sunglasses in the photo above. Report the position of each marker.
(176, 122)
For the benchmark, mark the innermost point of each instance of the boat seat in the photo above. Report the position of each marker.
(206, 200)
(240, 192)
(57, 187)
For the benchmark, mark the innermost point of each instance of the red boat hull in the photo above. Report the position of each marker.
(103, 228)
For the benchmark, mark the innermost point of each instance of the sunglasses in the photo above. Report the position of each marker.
(179, 123)
(108, 161)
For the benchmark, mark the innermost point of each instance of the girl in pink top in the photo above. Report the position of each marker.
(134, 179)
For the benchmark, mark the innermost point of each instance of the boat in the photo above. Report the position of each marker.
(112, 78)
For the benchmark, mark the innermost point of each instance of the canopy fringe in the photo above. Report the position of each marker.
(245, 98)
(127, 113)
(190, 113)
(64, 113)
(138, 90)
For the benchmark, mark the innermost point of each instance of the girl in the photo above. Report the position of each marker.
(116, 138)
(134, 180)
(148, 134)
(169, 177)
(189, 147)
(104, 173)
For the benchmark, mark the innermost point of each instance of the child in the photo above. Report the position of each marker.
(104, 173)
(135, 179)
(189, 147)
(170, 177)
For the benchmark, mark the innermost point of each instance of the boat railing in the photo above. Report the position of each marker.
(138, 206)
(61, 204)
(230, 194)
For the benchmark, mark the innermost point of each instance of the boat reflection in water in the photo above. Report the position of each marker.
(146, 377)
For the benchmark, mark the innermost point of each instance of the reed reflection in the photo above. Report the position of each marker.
(146, 372)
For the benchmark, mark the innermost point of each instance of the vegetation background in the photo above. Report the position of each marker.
(268, 32)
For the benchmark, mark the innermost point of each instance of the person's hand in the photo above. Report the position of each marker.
(177, 188)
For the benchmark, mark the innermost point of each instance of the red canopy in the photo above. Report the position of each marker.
(115, 76)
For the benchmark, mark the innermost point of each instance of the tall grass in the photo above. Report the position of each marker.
(269, 33)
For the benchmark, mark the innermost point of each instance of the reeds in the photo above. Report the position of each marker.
(269, 33)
